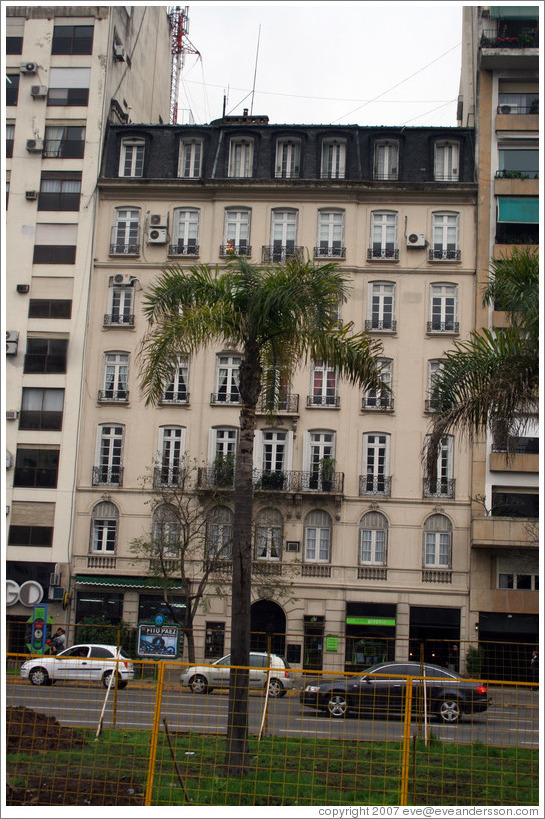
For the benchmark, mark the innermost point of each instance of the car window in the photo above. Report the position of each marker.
(258, 661)
(124, 655)
(439, 672)
(100, 651)
(75, 651)
(224, 661)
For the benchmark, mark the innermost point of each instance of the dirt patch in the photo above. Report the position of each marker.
(28, 730)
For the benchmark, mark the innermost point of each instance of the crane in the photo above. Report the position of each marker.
(180, 45)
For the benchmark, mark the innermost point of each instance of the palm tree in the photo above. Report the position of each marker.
(492, 377)
(279, 317)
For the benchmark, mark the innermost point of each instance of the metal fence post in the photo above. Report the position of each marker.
(155, 731)
(406, 753)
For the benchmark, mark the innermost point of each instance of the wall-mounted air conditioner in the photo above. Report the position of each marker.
(293, 545)
(416, 240)
(157, 236)
(9, 460)
(35, 146)
(12, 415)
(121, 280)
(119, 52)
(28, 68)
(31, 195)
(56, 593)
(12, 342)
(38, 91)
(23, 288)
(158, 220)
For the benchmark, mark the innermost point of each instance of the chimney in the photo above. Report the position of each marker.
(245, 113)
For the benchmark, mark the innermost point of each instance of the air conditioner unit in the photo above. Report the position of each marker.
(55, 579)
(293, 545)
(12, 415)
(9, 460)
(12, 342)
(31, 195)
(158, 220)
(122, 280)
(38, 91)
(119, 52)
(56, 593)
(28, 68)
(23, 288)
(157, 236)
(505, 109)
(416, 240)
(35, 146)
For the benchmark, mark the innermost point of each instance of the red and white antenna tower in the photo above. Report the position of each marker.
(179, 47)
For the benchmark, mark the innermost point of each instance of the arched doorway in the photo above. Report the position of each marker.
(268, 618)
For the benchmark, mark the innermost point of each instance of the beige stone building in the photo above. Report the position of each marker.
(70, 70)
(499, 97)
(378, 560)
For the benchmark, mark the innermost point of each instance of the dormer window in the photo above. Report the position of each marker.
(241, 155)
(333, 159)
(446, 162)
(386, 160)
(288, 158)
(131, 159)
(190, 159)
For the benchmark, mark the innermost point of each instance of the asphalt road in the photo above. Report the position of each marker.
(505, 723)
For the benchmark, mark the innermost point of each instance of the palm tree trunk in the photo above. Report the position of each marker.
(236, 759)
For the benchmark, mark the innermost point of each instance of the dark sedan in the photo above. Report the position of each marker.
(382, 688)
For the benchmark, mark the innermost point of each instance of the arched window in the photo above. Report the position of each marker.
(166, 532)
(318, 537)
(104, 527)
(437, 542)
(373, 539)
(268, 534)
(219, 533)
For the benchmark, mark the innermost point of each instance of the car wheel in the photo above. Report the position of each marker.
(106, 680)
(198, 684)
(39, 676)
(450, 711)
(122, 683)
(337, 705)
(276, 689)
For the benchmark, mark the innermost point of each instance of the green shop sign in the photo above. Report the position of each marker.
(370, 621)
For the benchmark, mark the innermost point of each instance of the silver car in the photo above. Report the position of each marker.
(201, 679)
(84, 662)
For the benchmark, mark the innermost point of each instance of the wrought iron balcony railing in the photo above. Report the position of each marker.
(280, 253)
(288, 403)
(233, 249)
(181, 249)
(118, 320)
(115, 396)
(225, 398)
(376, 485)
(444, 255)
(377, 402)
(387, 325)
(506, 38)
(168, 476)
(442, 488)
(443, 327)
(132, 249)
(174, 397)
(107, 476)
(330, 252)
(222, 477)
(328, 401)
(389, 253)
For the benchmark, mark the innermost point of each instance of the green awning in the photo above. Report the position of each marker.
(126, 582)
(523, 210)
(514, 12)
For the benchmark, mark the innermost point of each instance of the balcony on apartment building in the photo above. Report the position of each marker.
(511, 43)
(221, 476)
(515, 454)
(517, 221)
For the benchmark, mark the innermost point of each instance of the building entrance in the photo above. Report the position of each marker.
(268, 619)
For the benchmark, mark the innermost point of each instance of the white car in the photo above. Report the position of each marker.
(84, 662)
(203, 678)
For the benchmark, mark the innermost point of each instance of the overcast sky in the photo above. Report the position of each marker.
(324, 62)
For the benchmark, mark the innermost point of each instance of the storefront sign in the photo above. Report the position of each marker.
(29, 593)
(39, 629)
(157, 641)
(331, 642)
(370, 621)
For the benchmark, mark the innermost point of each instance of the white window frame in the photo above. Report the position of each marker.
(190, 158)
(131, 157)
(227, 378)
(373, 540)
(443, 307)
(269, 533)
(104, 528)
(236, 230)
(121, 306)
(447, 161)
(381, 306)
(186, 231)
(445, 231)
(109, 453)
(219, 530)
(170, 454)
(241, 157)
(435, 365)
(317, 444)
(288, 158)
(166, 529)
(384, 238)
(437, 543)
(222, 441)
(330, 233)
(374, 399)
(116, 376)
(324, 384)
(317, 537)
(333, 158)
(284, 223)
(445, 468)
(375, 469)
(386, 160)
(126, 231)
(177, 391)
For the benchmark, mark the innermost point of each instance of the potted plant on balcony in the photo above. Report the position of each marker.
(272, 480)
(224, 470)
(327, 473)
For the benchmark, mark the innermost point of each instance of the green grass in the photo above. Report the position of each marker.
(283, 772)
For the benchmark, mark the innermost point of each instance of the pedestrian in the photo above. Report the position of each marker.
(453, 657)
(58, 641)
(534, 664)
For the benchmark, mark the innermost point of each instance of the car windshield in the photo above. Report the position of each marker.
(124, 655)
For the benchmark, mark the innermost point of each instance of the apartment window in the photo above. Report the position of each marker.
(166, 532)
(273, 458)
(288, 158)
(120, 307)
(518, 97)
(381, 307)
(227, 379)
(435, 365)
(41, 408)
(236, 233)
(443, 486)
(445, 237)
(511, 502)
(324, 385)
(517, 220)
(317, 534)
(330, 234)
(386, 160)
(125, 237)
(222, 451)
(59, 191)
(219, 533)
(46, 355)
(69, 86)
(375, 478)
(36, 467)
(116, 376)
(55, 244)
(319, 460)
(520, 573)
(283, 235)
(12, 89)
(72, 40)
(10, 135)
(131, 157)
(373, 539)
(438, 542)
(381, 399)
(269, 534)
(333, 159)
(64, 141)
(104, 523)
(383, 236)
(443, 308)
(241, 152)
(14, 35)
(447, 161)
(39, 536)
(518, 160)
(109, 453)
(186, 232)
(177, 390)
(170, 456)
(190, 159)
(50, 308)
